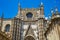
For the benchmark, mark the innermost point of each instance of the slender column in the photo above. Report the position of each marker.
(41, 29)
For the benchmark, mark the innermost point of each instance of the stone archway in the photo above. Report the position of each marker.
(29, 38)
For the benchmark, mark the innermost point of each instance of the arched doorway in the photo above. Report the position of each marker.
(29, 38)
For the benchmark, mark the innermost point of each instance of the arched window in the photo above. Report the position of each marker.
(7, 28)
(29, 15)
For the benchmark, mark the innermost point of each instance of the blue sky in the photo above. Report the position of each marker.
(10, 7)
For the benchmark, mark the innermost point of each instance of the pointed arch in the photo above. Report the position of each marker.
(29, 38)
(7, 28)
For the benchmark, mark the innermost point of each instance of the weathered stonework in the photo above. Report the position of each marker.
(30, 24)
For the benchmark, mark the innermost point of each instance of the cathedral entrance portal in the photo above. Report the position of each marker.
(29, 38)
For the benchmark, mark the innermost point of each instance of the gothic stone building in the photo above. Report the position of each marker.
(30, 24)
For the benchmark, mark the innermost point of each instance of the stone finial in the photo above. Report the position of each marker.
(18, 3)
(52, 11)
(49, 16)
(41, 3)
(19, 6)
(56, 9)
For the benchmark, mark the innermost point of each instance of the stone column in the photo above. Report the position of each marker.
(16, 29)
(41, 29)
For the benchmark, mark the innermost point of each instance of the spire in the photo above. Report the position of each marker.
(19, 10)
(41, 4)
(19, 6)
(41, 9)
(49, 16)
(56, 10)
(52, 11)
(2, 15)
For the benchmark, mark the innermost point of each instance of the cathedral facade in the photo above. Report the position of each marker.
(30, 24)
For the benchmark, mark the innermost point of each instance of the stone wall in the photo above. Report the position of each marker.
(3, 36)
